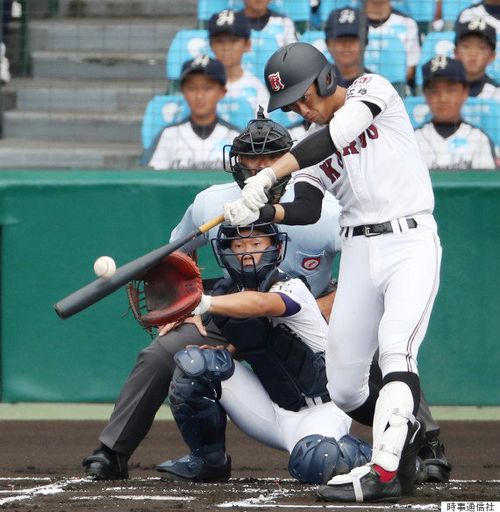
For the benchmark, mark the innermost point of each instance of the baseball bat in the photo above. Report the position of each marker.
(100, 288)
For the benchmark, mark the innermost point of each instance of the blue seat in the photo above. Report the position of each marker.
(186, 45)
(264, 44)
(421, 10)
(386, 55)
(481, 112)
(297, 10)
(165, 110)
(435, 43)
(317, 39)
(451, 8)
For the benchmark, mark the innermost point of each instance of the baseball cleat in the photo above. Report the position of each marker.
(105, 464)
(407, 471)
(438, 468)
(195, 469)
(361, 484)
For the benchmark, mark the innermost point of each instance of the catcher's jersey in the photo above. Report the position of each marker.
(250, 88)
(310, 251)
(381, 175)
(179, 147)
(405, 29)
(467, 148)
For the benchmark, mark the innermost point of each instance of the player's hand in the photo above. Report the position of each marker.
(195, 320)
(238, 214)
(254, 192)
(203, 306)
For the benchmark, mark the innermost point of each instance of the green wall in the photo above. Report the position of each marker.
(55, 223)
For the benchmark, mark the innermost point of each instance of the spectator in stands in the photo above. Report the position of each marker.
(446, 141)
(4, 61)
(346, 38)
(196, 142)
(229, 34)
(475, 45)
(489, 9)
(262, 19)
(383, 19)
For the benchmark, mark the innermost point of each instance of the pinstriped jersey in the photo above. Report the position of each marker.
(310, 251)
(467, 148)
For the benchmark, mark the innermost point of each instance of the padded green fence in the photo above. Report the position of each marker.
(54, 224)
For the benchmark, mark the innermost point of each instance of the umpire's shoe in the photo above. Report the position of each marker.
(408, 465)
(432, 453)
(195, 469)
(105, 464)
(361, 484)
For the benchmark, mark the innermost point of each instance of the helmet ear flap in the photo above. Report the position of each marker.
(327, 80)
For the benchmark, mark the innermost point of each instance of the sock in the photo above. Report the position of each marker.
(385, 476)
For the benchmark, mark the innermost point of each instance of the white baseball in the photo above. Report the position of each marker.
(105, 267)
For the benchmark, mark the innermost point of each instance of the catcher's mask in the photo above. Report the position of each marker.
(262, 136)
(242, 267)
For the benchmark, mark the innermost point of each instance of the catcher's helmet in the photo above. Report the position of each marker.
(292, 69)
(262, 136)
(249, 276)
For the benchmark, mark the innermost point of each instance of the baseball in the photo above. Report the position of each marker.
(105, 267)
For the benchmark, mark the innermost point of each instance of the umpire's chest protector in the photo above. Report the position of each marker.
(287, 368)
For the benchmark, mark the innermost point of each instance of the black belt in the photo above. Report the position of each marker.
(376, 229)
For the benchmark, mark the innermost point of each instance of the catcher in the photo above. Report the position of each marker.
(275, 325)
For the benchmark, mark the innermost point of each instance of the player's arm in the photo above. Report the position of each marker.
(249, 304)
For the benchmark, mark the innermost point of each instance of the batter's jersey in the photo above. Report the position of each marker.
(405, 29)
(308, 322)
(310, 251)
(381, 175)
(179, 147)
(467, 148)
(250, 88)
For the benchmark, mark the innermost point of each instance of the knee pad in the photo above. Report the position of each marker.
(315, 459)
(393, 415)
(214, 365)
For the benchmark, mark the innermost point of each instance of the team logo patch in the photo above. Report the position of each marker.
(311, 263)
(275, 81)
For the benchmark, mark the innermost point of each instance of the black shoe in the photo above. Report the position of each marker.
(432, 453)
(341, 487)
(195, 469)
(105, 464)
(407, 470)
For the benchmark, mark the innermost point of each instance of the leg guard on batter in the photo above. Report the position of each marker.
(315, 459)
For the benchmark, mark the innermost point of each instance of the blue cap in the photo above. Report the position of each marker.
(229, 22)
(476, 26)
(346, 22)
(442, 66)
(203, 64)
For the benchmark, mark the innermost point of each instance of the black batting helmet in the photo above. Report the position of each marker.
(292, 69)
(262, 136)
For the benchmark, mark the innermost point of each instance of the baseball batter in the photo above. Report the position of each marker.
(364, 151)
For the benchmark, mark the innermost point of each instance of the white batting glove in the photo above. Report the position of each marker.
(203, 306)
(238, 214)
(254, 193)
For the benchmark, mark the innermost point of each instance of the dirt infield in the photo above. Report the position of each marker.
(40, 471)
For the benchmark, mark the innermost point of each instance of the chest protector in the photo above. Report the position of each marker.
(291, 372)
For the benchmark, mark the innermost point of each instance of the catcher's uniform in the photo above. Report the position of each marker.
(467, 148)
(387, 282)
(180, 147)
(310, 250)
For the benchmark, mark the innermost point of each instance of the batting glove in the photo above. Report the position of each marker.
(238, 214)
(254, 193)
(203, 306)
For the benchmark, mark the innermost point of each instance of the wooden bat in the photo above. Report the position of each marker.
(100, 288)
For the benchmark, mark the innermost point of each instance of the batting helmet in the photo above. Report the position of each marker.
(262, 136)
(249, 276)
(292, 69)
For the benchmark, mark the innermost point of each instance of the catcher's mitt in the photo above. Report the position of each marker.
(166, 293)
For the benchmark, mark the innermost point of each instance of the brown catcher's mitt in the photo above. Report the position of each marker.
(166, 293)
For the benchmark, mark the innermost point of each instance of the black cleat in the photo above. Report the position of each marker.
(432, 453)
(361, 484)
(407, 471)
(195, 469)
(105, 464)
